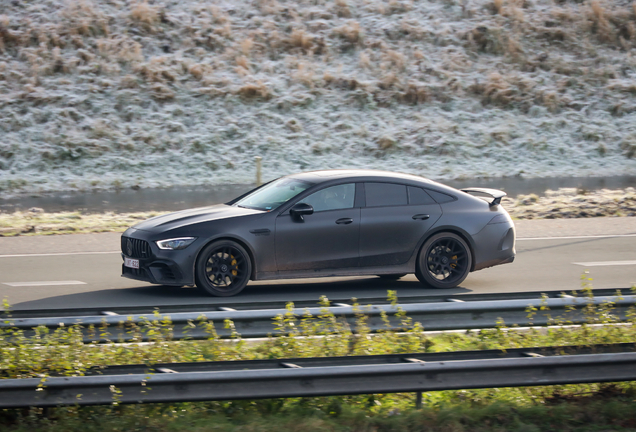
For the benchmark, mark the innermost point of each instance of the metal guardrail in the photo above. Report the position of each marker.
(258, 323)
(327, 376)
(236, 303)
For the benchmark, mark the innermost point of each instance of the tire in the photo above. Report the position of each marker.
(223, 268)
(444, 261)
(391, 276)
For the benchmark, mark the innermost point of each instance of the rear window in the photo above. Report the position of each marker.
(418, 196)
(385, 194)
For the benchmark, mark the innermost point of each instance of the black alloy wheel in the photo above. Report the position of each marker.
(391, 276)
(223, 268)
(444, 262)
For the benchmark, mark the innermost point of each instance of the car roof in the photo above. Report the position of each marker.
(358, 174)
(368, 175)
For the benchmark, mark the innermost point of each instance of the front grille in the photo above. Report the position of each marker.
(135, 248)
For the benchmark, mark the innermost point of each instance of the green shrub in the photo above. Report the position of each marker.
(299, 334)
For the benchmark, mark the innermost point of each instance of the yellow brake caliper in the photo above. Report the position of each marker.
(454, 258)
(234, 272)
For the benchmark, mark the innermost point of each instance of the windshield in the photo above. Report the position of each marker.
(274, 194)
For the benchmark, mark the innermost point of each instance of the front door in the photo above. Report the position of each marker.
(326, 239)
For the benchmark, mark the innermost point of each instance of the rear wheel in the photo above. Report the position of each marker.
(444, 261)
(223, 268)
(392, 276)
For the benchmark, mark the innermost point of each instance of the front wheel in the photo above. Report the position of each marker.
(444, 261)
(223, 268)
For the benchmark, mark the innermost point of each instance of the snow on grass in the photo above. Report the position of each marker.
(111, 94)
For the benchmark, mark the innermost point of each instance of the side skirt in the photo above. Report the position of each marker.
(354, 271)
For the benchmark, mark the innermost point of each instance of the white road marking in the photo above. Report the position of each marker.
(58, 254)
(44, 283)
(576, 237)
(605, 263)
(118, 252)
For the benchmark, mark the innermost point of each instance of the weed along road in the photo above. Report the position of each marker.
(83, 270)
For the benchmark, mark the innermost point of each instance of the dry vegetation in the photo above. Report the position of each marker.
(573, 203)
(111, 93)
(561, 203)
(35, 222)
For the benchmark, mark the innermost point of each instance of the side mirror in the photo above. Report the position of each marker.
(301, 209)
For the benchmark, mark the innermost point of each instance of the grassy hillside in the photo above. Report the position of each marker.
(114, 93)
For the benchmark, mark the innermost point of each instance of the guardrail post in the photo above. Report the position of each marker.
(258, 160)
(418, 400)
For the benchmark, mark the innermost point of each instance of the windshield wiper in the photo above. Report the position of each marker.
(250, 208)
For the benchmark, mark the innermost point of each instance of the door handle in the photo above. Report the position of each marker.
(421, 216)
(344, 221)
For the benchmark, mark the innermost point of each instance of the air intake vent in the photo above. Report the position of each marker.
(167, 273)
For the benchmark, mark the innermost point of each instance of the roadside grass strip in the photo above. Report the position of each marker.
(563, 203)
(62, 352)
(568, 410)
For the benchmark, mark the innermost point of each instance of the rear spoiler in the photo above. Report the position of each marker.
(497, 195)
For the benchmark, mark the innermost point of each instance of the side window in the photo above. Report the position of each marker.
(332, 198)
(385, 194)
(418, 196)
(440, 197)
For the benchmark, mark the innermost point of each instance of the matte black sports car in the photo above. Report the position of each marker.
(325, 223)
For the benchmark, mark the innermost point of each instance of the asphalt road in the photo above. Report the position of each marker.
(83, 270)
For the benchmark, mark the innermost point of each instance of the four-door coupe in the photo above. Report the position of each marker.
(325, 223)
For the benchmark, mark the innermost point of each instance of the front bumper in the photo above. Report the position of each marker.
(156, 272)
(157, 266)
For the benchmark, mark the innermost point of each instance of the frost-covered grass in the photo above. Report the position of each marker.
(114, 93)
(572, 203)
(36, 223)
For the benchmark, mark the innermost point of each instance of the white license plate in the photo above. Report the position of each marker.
(132, 263)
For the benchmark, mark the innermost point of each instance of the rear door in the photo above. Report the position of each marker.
(327, 239)
(393, 221)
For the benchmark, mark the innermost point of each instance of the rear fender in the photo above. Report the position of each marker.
(444, 228)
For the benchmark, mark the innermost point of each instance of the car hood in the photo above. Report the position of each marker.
(192, 216)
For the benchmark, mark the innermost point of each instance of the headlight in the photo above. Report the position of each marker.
(175, 243)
